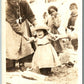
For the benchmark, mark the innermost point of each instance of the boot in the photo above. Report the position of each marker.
(22, 67)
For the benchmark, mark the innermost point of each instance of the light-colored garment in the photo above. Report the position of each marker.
(45, 55)
(16, 46)
(69, 55)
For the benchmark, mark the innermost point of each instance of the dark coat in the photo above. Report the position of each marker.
(13, 13)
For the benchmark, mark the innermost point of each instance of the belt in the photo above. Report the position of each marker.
(43, 44)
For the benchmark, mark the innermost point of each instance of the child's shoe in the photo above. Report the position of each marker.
(22, 67)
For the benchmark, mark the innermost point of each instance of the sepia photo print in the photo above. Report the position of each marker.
(42, 42)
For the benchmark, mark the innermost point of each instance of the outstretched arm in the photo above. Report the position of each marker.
(29, 39)
(55, 37)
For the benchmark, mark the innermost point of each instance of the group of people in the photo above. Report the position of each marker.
(46, 45)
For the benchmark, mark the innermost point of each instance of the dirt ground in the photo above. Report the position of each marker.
(61, 75)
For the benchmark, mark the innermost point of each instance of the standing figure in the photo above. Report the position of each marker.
(54, 23)
(45, 56)
(71, 27)
(45, 17)
(18, 16)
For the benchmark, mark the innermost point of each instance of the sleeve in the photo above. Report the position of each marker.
(29, 13)
(10, 18)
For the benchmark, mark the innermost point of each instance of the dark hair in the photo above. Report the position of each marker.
(52, 7)
(73, 4)
(45, 31)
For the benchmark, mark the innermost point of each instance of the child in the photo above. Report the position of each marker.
(45, 17)
(54, 23)
(45, 56)
(68, 55)
(74, 14)
(71, 27)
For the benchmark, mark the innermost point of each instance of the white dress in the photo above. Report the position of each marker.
(45, 55)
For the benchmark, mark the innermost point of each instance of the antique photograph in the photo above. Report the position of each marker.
(42, 42)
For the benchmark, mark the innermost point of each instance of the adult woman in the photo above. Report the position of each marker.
(18, 16)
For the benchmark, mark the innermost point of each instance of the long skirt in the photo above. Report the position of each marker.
(16, 46)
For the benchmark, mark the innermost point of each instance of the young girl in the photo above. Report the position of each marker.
(72, 29)
(54, 23)
(68, 55)
(73, 17)
(45, 56)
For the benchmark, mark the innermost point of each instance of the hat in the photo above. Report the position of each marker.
(39, 27)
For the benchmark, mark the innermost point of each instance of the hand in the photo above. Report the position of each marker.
(71, 27)
(31, 39)
(57, 38)
(34, 23)
(53, 17)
